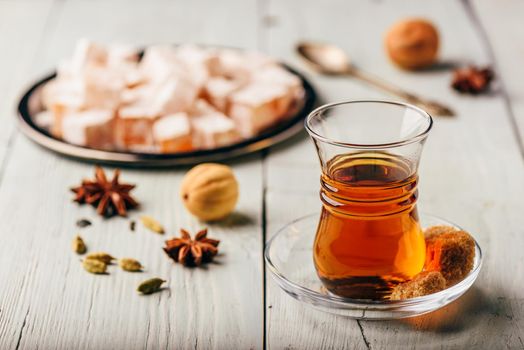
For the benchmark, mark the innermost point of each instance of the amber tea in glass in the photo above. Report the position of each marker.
(368, 237)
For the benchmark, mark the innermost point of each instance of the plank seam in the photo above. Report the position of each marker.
(54, 9)
(262, 38)
(262, 45)
(168, 320)
(147, 333)
(90, 310)
(8, 153)
(264, 235)
(481, 32)
(368, 345)
(19, 340)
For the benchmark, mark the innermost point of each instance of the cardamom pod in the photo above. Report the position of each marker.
(150, 286)
(79, 246)
(94, 266)
(100, 256)
(131, 265)
(152, 224)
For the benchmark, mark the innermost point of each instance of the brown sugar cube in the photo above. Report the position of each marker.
(449, 251)
(437, 230)
(424, 283)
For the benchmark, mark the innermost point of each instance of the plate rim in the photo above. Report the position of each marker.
(280, 132)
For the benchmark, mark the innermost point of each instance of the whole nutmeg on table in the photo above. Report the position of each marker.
(210, 191)
(412, 43)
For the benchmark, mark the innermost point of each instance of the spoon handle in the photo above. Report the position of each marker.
(432, 107)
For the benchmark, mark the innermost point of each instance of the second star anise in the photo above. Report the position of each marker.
(192, 252)
(472, 80)
(108, 197)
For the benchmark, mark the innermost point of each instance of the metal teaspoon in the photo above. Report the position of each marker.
(331, 60)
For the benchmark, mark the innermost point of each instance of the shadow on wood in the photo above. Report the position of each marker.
(235, 219)
(458, 316)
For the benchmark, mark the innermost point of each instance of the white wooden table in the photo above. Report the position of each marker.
(472, 173)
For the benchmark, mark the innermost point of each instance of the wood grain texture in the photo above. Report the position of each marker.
(50, 302)
(471, 173)
(21, 31)
(504, 34)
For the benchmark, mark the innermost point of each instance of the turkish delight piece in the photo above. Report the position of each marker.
(258, 106)
(64, 91)
(61, 96)
(238, 65)
(174, 95)
(141, 94)
(134, 77)
(86, 53)
(102, 88)
(213, 130)
(96, 87)
(201, 62)
(127, 73)
(217, 91)
(121, 54)
(172, 133)
(195, 55)
(276, 74)
(44, 119)
(160, 63)
(134, 127)
(59, 110)
(92, 128)
(201, 107)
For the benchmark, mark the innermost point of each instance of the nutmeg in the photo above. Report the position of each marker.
(412, 43)
(210, 191)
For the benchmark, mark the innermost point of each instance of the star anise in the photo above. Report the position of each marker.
(472, 80)
(192, 252)
(108, 197)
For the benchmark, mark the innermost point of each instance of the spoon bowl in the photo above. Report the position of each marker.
(325, 58)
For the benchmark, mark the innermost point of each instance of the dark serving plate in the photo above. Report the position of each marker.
(29, 105)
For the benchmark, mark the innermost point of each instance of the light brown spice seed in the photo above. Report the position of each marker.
(150, 286)
(94, 266)
(129, 264)
(152, 224)
(79, 246)
(100, 256)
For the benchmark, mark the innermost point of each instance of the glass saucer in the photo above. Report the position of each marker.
(289, 258)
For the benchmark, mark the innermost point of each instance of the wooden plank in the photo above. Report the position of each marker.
(471, 173)
(50, 302)
(21, 28)
(503, 31)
